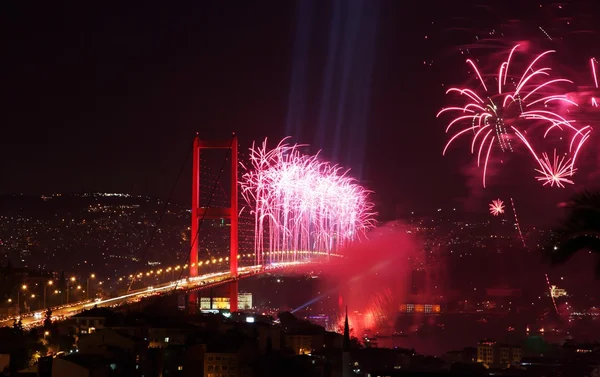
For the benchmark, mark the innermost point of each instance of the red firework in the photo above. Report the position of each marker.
(497, 207)
(530, 97)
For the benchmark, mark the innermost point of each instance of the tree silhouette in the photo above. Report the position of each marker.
(18, 327)
(48, 320)
(579, 230)
(269, 346)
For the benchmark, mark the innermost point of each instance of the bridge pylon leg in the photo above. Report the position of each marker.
(230, 213)
(192, 302)
(195, 226)
(233, 239)
(233, 296)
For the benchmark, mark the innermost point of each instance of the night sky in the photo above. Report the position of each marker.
(108, 98)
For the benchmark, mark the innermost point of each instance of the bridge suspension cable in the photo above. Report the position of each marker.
(162, 213)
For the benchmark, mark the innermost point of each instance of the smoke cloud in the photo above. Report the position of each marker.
(374, 277)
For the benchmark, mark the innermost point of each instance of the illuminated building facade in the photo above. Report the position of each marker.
(222, 303)
(420, 308)
(301, 344)
(493, 354)
(220, 364)
(557, 292)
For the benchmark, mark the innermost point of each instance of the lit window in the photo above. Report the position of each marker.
(180, 367)
(166, 340)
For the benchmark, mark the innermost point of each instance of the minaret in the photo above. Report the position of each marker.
(346, 348)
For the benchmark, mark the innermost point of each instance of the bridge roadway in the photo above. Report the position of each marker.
(185, 285)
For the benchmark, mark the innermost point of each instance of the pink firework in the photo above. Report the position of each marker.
(556, 171)
(489, 112)
(497, 207)
(302, 204)
(594, 66)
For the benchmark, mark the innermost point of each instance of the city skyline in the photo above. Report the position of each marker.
(414, 176)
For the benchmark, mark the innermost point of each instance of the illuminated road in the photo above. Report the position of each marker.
(184, 285)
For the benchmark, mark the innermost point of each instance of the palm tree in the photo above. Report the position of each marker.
(579, 230)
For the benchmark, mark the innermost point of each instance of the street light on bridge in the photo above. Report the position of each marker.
(50, 283)
(23, 288)
(72, 280)
(33, 297)
(87, 290)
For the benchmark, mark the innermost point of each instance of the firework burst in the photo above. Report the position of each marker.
(556, 171)
(497, 207)
(301, 204)
(491, 110)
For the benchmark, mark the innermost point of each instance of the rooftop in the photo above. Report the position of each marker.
(86, 361)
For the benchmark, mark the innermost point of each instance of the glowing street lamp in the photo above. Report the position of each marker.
(72, 279)
(32, 298)
(50, 283)
(87, 289)
(23, 288)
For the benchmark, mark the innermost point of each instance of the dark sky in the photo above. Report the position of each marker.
(108, 98)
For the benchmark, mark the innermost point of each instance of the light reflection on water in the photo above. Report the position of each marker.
(438, 335)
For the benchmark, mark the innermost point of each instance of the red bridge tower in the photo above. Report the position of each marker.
(230, 213)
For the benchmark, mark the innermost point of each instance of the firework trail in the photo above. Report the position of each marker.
(301, 204)
(556, 171)
(517, 225)
(490, 112)
(379, 309)
(497, 207)
(594, 66)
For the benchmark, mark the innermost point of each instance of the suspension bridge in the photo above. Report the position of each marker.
(189, 281)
